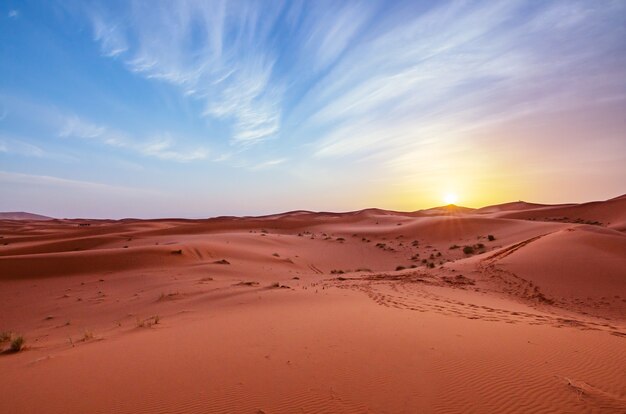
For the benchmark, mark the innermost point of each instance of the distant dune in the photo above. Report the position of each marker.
(512, 308)
(21, 215)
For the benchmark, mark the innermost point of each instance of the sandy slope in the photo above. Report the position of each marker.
(312, 312)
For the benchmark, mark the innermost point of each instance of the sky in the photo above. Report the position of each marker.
(150, 109)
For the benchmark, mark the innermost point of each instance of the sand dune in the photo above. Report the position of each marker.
(367, 311)
(21, 215)
(610, 213)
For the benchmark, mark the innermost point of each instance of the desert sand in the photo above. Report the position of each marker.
(369, 311)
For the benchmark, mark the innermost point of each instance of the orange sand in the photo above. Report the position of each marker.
(306, 312)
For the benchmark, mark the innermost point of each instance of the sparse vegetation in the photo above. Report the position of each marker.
(400, 268)
(491, 237)
(5, 337)
(222, 262)
(179, 251)
(252, 283)
(17, 344)
(337, 272)
(455, 246)
(148, 322)
(468, 250)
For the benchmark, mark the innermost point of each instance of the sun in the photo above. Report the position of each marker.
(450, 198)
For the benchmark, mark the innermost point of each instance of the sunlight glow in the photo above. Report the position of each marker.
(450, 198)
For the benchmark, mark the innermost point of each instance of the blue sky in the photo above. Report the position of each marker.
(201, 108)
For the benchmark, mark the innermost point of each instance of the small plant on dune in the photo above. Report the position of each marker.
(400, 268)
(5, 337)
(454, 246)
(431, 265)
(274, 285)
(148, 322)
(17, 344)
(490, 237)
(179, 251)
(275, 255)
(87, 336)
(336, 272)
(468, 250)
(222, 262)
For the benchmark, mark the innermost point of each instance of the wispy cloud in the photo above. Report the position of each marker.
(163, 147)
(46, 180)
(423, 83)
(20, 147)
(269, 164)
(13, 14)
(112, 40)
(230, 56)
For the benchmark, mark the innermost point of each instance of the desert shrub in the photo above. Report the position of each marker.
(468, 250)
(5, 337)
(17, 344)
(491, 238)
(400, 267)
(480, 246)
(177, 251)
(431, 265)
(336, 272)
